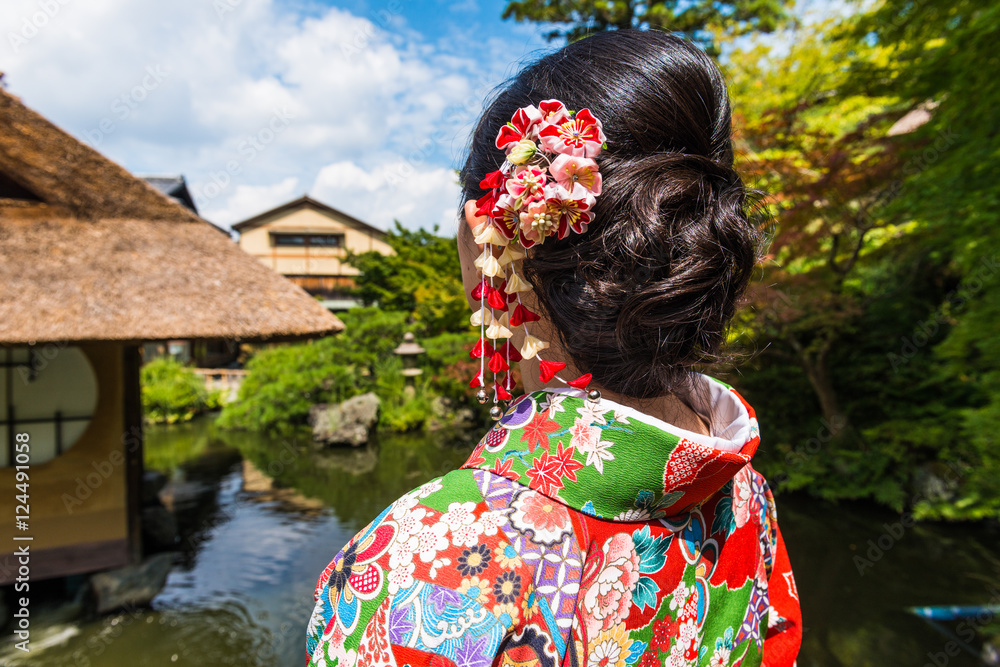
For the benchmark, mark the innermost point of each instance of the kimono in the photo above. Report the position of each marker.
(578, 533)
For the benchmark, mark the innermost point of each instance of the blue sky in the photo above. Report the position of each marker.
(260, 101)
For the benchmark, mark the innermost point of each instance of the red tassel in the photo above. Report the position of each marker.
(502, 393)
(581, 382)
(496, 300)
(498, 363)
(480, 349)
(478, 380)
(521, 315)
(509, 352)
(508, 382)
(480, 289)
(548, 369)
(530, 316)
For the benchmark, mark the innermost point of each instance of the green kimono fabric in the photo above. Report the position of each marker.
(577, 533)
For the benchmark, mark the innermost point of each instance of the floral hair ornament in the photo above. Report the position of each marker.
(546, 187)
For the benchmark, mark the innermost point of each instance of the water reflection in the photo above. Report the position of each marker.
(260, 517)
(852, 618)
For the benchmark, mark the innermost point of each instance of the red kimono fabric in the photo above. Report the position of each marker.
(578, 533)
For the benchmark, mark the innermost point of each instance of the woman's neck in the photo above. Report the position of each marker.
(672, 409)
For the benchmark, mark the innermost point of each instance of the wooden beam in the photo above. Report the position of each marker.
(133, 440)
(64, 561)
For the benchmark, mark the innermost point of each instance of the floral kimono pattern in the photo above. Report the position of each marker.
(577, 534)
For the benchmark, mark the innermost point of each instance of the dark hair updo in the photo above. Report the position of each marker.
(647, 292)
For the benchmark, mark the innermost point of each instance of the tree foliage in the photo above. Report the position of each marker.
(702, 21)
(423, 277)
(866, 301)
(943, 56)
(874, 330)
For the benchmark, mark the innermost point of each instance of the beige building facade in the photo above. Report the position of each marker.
(307, 242)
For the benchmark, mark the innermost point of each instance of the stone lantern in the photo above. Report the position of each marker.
(408, 351)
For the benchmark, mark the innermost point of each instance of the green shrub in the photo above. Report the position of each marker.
(285, 381)
(172, 392)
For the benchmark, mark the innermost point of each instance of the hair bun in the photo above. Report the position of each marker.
(649, 291)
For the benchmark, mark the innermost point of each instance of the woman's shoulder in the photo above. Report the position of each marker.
(437, 501)
(436, 554)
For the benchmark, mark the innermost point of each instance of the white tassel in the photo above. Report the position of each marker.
(532, 346)
(491, 236)
(509, 255)
(491, 267)
(517, 284)
(480, 316)
(515, 254)
(496, 330)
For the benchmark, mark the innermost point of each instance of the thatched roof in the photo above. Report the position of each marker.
(90, 252)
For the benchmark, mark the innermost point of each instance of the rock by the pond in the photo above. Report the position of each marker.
(936, 481)
(348, 423)
(131, 586)
(444, 415)
(153, 482)
(159, 528)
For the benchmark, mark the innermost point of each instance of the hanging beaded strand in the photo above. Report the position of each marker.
(546, 187)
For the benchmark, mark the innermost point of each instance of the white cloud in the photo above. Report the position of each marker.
(249, 200)
(416, 195)
(182, 87)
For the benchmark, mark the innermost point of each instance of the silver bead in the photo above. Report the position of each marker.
(481, 396)
(593, 395)
(496, 413)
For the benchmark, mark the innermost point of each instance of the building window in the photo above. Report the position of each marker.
(49, 392)
(310, 240)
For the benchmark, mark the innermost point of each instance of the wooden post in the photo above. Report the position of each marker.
(132, 439)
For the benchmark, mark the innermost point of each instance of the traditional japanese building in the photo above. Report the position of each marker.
(307, 242)
(94, 262)
(175, 187)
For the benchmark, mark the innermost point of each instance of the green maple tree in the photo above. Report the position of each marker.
(702, 21)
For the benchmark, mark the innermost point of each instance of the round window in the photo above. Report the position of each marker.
(49, 392)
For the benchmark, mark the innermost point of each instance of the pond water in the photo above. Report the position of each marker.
(260, 518)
